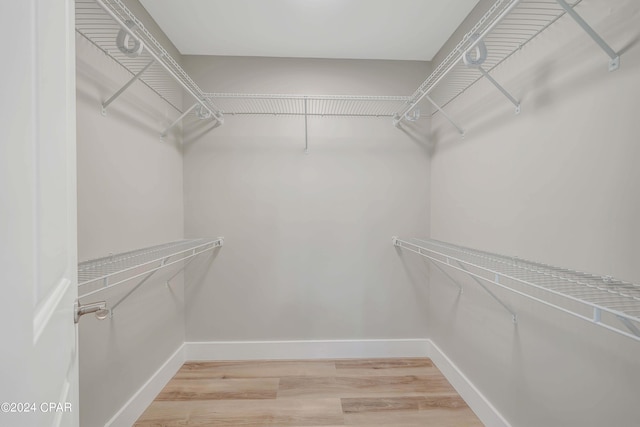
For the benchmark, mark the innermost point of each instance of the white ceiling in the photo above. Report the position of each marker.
(358, 29)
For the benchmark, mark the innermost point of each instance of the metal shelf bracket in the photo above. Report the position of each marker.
(614, 58)
(514, 316)
(306, 125)
(447, 275)
(445, 115)
(501, 89)
(633, 328)
(178, 120)
(135, 288)
(113, 97)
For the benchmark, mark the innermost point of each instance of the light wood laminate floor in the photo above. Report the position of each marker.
(327, 393)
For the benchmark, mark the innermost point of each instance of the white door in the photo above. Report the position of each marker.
(38, 260)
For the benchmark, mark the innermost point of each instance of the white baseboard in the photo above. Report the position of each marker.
(329, 349)
(141, 400)
(478, 403)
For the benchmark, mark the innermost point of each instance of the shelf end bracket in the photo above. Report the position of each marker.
(614, 61)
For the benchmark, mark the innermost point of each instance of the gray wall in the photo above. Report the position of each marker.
(556, 184)
(307, 253)
(129, 197)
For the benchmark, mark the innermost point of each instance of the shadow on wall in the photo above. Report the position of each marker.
(418, 277)
(196, 273)
(417, 270)
(418, 135)
(193, 131)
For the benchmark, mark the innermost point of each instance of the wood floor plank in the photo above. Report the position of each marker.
(393, 367)
(461, 417)
(245, 413)
(222, 389)
(383, 363)
(451, 401)
(359, 405)
(256, 369)
(325, 393)
(376, 386)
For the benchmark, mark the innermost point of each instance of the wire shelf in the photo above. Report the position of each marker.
(111, 271)
(605, 301)
(506, 27)
(316, 105)
(97, 21)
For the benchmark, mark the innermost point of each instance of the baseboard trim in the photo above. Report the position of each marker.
(322, 349)
(141, 400)
(478, 403)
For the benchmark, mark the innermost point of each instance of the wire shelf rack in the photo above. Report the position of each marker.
(505, 28)
(310, 105)
(101, 22)
(605, 301)
(97, 275)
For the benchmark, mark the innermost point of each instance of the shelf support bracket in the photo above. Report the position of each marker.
(460, 289)
(106, 103)
(514, 316)
(306, 133)
(178, 120)
(633, 328)
(500, 88)
(446, 116)
(186, 264)
(135, 288)
(614, 62)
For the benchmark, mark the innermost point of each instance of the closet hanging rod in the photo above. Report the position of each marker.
(604, 301)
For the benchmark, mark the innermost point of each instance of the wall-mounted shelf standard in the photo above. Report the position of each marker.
(110, 26)
(604, 301)
(97, 275)
(506, 27)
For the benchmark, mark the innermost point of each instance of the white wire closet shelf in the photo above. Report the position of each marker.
(309, 105)
(111, 26)
(505, 28)
(604, 301)
(98, 275)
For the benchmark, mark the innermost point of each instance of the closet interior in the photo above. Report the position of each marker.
(308, 167)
